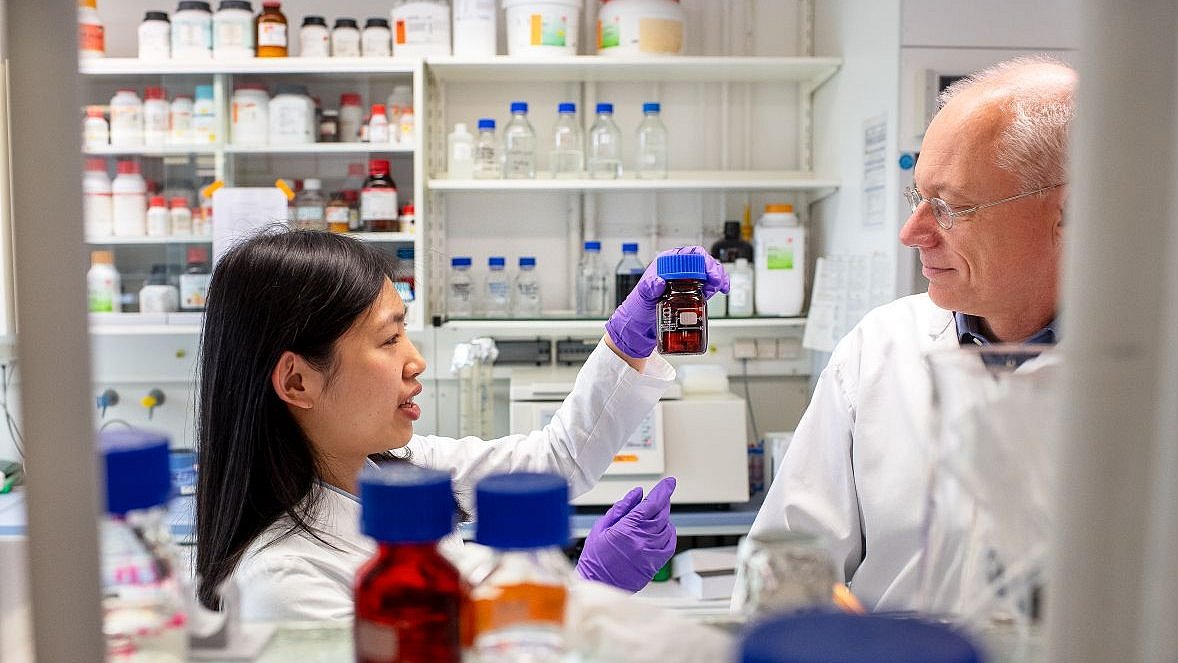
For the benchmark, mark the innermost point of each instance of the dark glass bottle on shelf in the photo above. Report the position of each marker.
(378, 199)
(732, 246)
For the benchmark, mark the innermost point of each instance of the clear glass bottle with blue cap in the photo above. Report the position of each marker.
(605, 145)
(568, 143)
(143, 606)
(526, 293)
(682, 311)
(460, 290)
(487, 165)
(519, 601)
(652, 144)
(519, 144)
(411, 603)
(592, 286)
(497, 290)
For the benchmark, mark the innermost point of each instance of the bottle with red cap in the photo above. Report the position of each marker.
(194, 282)
(129, 200)
(96, 200)
(378, 125)
(180, 215)
(378, 199)
(155, 116)
(159, 222)
(351, 114)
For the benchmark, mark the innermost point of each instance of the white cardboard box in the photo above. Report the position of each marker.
(704, 561)
(709, 585)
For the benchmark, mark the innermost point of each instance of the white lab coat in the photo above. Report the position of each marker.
(301, 577)
(856, 471)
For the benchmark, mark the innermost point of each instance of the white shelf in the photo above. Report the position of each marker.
(383, 238)
(178, 150)
(183, 322)
(292, 65)
(694, 180)
(170, 239)
(591, 68)
(321, 148)
(597, 326)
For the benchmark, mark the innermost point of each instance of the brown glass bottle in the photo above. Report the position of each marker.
(271, 31)
(682, 311)
(378, 199)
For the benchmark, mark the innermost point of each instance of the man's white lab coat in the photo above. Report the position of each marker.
(856, 471)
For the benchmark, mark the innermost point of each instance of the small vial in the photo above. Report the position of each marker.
(682, 312)
(519, 603)
(410, 601)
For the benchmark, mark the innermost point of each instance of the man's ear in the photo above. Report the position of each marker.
(295, 381)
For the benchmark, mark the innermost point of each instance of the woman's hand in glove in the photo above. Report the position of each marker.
(632, 541)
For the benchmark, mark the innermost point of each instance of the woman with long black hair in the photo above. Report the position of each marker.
(307, 375)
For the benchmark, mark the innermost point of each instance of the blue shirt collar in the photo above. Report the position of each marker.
(969, 331)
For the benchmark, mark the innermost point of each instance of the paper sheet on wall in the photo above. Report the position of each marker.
(875, 143)
(239, 212)
(845, 288)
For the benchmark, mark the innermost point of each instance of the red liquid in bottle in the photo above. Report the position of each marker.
(411, 607)
(683, 318)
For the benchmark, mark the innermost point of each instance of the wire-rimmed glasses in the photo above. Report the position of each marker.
(946, 215)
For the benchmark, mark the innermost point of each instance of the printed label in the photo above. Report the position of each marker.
(91, 38)
(272, 34)
(378, 204)
(376, 643)
(194, 289)
(525, 603)
(608, 35)
(548, 33)
(234, 35)
(780, 257)
(660, 35)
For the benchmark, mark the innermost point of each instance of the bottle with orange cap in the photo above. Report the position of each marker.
(779, 262)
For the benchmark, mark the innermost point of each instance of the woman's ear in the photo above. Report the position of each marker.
(295, 381)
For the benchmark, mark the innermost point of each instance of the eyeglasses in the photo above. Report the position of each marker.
(946, 215)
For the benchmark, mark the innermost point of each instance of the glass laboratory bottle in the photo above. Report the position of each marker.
(526, 300)
(591, 282)
(486, 152)
(568, 143)
(652, 144)
(519, 144)
(309, 208)
(272, 34)
(682, 312)
(519, 602)
(460, 290)
(404, 277)
(605, 145)
(143, 606)
(378, 199)
(460, 162)
(411, 603)
(497, 293)
(732, 246)
(628, 273)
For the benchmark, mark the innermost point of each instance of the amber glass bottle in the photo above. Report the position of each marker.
(271, 31)
(682, 311)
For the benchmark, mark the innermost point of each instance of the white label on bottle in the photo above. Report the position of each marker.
(314, 42)
(130, 214)
(98, 214)
(376, 42)
(376, 642)
(181, 121)
(272, 34)
(345, 43)
(181, 221)
(126, 123)
(159, 223)
(338, 215)
(233, 35)
(378, 204)
(95, 133)
(193, 290)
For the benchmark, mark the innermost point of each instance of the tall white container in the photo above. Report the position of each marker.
(420, 28)
(474, 28)
(779, 261)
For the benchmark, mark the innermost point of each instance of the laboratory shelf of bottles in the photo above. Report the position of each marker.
(675, 181)
(150, 240)
(179, 322)
(677, 69)
(567, 325)
(143, 151)
(321, 149)
(253, 66)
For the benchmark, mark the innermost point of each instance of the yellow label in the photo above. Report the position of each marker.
(518, 604)
(657, 35)
(625, 458)
(537, 29)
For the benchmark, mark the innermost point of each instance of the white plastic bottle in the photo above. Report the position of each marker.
(486, 152)
(233, 30)
(474, 28)
(314, 38)
(568, 143)
(103, 284)
(421, 28)
(652, 144)
(204, 116)
(91, 32)
(95, 130)
(460, 289)
(129, 201)
(497, 293)
(180, 120)
(406, 127)
(97, 213)
(378, 125)
(159, 222)
(779, 261)
(351, 116)
(740, 293)
(605, 145)
(192, 31)
(155, 37)
(376, 40)
(126, 119)
(519, 144)
(345, 38)
(155, 117)
(460, 163)
(181, 216)
(526, 293)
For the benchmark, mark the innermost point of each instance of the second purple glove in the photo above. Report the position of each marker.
(632, 541)
(632, 326)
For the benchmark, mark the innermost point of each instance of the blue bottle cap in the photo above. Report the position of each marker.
(138, 469)
(460, 262)
(204, 91)
(630, 247)
(486, 123)
(566, 107)
(527, 261)
(496, 262)
(682, 266)
(405, 253)
(605, 108)
(403, 503)
(592, 246)
(651, 107)
(519, 107)
(522, 510)
(842, 638)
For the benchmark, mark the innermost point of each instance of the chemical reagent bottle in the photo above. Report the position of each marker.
(568, 143)
(519, 602)
(652, 144)
(628, 273)
(411, 603)
(681, 312)
(605, 145)
(497, 293)
(460, 290)
(460, 164)
(591, 282)
(486, 152)
(519, 144)
(526, 303)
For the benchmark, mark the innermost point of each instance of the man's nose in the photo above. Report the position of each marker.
(921, 229)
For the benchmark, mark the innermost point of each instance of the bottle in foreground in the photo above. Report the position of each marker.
(410, 601)
(682, 311)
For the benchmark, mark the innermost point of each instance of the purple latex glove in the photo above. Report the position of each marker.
(632, 326)
(632, 541)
